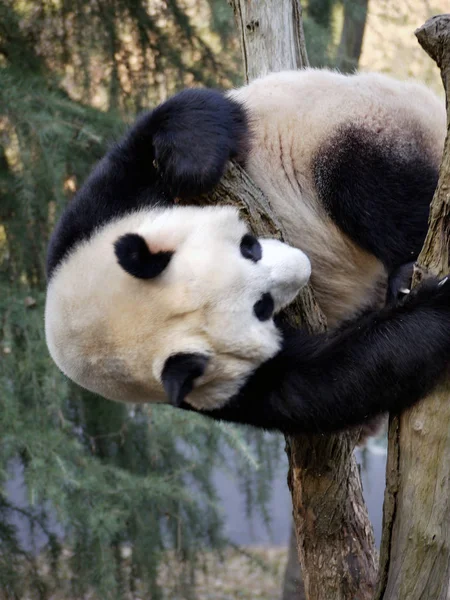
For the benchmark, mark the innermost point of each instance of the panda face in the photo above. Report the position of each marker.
(163, 283)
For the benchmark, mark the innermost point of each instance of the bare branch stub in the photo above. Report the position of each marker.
(434, 37)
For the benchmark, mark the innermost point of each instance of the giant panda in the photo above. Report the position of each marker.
(149, 301)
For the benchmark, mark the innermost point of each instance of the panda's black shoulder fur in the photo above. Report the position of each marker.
(178, 149)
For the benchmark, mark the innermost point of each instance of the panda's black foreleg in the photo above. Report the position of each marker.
(382, 362)
(178, 149)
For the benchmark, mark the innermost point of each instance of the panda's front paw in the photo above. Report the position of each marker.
(399, 283)
(432, 292)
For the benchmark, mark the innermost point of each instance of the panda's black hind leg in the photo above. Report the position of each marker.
(378, 190)
(195, 133)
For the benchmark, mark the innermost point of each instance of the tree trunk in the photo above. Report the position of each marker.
(321, 12)
(350, 45)
(271, 33)
(334, 534)
(415, 547)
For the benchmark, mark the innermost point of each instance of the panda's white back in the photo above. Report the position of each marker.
(293, 115)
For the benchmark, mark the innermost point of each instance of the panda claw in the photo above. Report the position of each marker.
(443, 281)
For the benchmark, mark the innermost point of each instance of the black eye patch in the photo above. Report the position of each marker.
(134, 256)
(251, 248)
(264, 308)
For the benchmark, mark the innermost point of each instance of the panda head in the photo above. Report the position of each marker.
(170, 304)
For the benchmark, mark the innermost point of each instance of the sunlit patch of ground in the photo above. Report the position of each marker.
(256, 573)
(245, 574)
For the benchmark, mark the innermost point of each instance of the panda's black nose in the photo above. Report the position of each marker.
(264, 308)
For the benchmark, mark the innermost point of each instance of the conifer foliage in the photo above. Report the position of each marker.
(109, 488)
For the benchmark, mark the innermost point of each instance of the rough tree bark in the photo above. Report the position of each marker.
(272, 37)
(334, 534)
(415, 547)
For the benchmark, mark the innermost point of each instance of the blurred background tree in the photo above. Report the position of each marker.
(118, 478)
(130, 487)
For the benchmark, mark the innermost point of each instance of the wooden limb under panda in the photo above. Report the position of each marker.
(330, 516)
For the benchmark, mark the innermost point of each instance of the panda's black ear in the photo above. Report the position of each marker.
(134, 256)
(179, 373)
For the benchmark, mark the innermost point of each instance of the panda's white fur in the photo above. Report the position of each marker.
(293, 113)
(112, 333)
